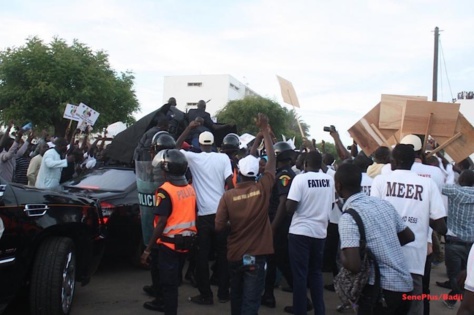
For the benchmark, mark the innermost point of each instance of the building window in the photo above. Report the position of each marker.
(235, 87)
(191, 104)
(195, 84)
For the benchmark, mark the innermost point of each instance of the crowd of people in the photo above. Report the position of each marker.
(270, 214)
(45, 161)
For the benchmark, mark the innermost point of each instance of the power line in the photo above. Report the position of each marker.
(446, 70)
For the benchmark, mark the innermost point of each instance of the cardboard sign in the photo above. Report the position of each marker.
(288, 92)
(416, 115)
(391, 109)
(87, 114)
(70, 112)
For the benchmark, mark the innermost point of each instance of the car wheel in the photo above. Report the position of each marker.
(53, 277)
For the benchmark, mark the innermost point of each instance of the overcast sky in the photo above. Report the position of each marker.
(339, 55)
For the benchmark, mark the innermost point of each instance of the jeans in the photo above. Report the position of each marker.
(456, 256)
(169, 262)
(246, 286)
(206, 236)
(306, 257)
(369, 302)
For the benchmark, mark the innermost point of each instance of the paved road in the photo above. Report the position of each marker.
(116, 289)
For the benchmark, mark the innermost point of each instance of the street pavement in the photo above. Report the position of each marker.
(116, 288)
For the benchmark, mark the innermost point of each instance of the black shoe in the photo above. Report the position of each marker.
(202, 300)
(446, 284)
(449, 303)
(290, 309)
(330, 287)
(148, 289)
(268, 300)
(154, 305)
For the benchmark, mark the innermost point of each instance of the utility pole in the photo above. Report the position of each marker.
(435, 65)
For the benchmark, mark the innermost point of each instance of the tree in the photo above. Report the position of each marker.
(243, 112)
(38, 80)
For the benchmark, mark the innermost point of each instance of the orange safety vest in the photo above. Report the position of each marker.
(182, 220)
(235, 176)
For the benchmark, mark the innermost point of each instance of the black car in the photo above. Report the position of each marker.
(49, 241)
(116, 190)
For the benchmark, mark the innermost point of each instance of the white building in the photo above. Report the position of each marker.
(217, 90)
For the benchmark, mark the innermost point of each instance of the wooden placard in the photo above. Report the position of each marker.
(367, 137)
(391, 109)
(416, 116)
(463, 146)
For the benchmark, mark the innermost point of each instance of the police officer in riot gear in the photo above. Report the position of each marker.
(148, 179)
(174, 227)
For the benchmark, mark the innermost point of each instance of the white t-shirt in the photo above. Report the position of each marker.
(433, 172)
(469, 283)
(366, 183)
(336, 212)
(386, 169)
(209, 171)
(315, 194)
(417, 200)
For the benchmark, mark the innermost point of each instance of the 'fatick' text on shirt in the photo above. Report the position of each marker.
(316, 183)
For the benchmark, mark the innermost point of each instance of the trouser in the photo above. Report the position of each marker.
(438, 254)
(155, 271)
(456, 256)
(369, 302)
(416, 307)
(426, 284)
(246, 286)
(330, 249)
(306, 257)
(206, 235)
(169, 262)
(280, 259)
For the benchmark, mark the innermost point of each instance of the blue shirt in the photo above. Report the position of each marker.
(460, 211)
(382, 223)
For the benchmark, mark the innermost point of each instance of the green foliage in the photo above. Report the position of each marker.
(243, 113)
(38, 80)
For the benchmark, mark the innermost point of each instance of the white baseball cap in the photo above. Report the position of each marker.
(206, 138)
(249, 166)
(414, 140)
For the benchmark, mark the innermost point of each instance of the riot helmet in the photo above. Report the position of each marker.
(230, 143)
(172, 161)
(283, 151)
(162, 140)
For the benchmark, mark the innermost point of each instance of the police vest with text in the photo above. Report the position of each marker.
(180, 229)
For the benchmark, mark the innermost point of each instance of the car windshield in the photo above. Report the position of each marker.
(104, 179)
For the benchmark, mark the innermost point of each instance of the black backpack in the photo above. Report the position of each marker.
(349, 285)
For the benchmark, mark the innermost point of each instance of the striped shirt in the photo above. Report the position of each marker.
(382, 223)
